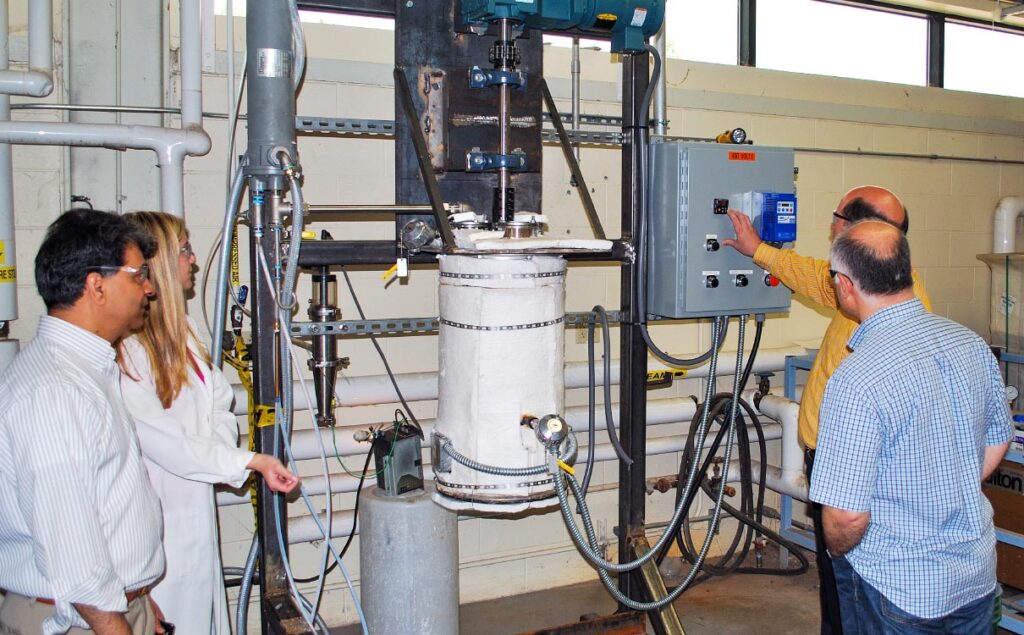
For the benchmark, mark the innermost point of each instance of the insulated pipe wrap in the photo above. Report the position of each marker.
(501, 359)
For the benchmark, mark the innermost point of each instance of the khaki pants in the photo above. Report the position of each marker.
(20, 615)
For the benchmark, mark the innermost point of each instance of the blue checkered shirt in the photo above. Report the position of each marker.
(904, 425)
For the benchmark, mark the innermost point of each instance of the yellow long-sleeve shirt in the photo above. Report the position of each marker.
(809, 277)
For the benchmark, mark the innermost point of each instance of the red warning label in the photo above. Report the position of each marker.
(743, 156)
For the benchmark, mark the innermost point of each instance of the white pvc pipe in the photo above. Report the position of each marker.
(377, 389)
(38, 80)
(170, 145)
(191, 65)
(787, 413)
(1004, 224)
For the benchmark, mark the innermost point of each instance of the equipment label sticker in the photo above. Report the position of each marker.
(8, 274)
(743, 156)
(639, 17)
(273, 63)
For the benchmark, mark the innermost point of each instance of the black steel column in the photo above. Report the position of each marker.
(936, 49)
(271, 129)
(747, 33)
(633, 351)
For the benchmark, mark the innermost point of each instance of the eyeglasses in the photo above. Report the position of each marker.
(186, 249)
(141, 274)
(841, 217)
(832, 273)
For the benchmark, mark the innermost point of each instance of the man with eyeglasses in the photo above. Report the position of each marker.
(810, 278)
(80, 525)
(912, 422)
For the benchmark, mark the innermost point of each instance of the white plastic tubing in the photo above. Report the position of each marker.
(170, 145)
(1004, 224)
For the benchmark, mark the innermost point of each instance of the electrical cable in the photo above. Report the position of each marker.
(589, 549)
(642, 241)
(282, 434)
(592, 556)
(298, 44)
(607, 358)
(380, 352)
(355, 517)
(751, 512)
(220, 310)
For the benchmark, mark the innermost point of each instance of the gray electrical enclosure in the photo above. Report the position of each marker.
(693, 184)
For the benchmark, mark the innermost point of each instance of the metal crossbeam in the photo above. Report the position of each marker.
(341, 125)
(386, 128)
(405, 326)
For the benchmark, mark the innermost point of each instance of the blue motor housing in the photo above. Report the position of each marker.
(628, 22)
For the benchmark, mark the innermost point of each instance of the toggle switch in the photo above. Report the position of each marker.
(711, 282)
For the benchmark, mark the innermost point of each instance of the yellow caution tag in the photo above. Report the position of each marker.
(661, 375)
(3, 252)
(8, 274)
(234, 259)
(264, 416)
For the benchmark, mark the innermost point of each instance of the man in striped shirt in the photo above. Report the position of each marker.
(809, 277)
(80, 524)
(912, 422)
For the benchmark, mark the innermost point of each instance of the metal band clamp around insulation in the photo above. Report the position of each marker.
(509, 327)
(502, 276)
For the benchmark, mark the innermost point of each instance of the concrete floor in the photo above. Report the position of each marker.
(738, 604)
(732, 605)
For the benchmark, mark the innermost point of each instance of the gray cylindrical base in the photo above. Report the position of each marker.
(409, 564)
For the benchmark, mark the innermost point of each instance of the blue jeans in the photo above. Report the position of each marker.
(865, 610)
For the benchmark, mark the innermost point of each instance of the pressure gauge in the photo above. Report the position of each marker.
(1011, 393)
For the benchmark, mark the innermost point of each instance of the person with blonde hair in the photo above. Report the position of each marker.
(181, 404)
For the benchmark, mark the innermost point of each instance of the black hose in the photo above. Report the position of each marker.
(750, 512)
(591, 407)
(641, 244)
(355, 520)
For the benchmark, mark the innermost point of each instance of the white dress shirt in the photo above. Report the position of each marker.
(79, 521)
(187, 448)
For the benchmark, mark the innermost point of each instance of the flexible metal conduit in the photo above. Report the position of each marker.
(304, 529)
(377, 389)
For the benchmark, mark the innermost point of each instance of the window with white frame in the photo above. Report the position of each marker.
(806, 36)
(702, 30)
(984, 60)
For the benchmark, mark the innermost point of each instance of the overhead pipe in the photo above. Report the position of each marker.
(660, 119)
(372, 390)
(1004, 224)
(38, 80)
(170, 145)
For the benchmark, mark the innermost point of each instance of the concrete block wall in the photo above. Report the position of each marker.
(950, 202)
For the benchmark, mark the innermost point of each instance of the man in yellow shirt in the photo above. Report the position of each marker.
(809, 277)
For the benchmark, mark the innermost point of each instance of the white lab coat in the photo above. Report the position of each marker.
(187, 448)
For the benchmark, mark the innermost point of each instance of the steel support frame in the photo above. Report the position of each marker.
(632, 348)
(270, 130)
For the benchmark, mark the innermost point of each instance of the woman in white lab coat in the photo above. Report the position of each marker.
(182, 409)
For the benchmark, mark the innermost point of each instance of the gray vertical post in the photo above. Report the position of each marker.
(271, 129)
